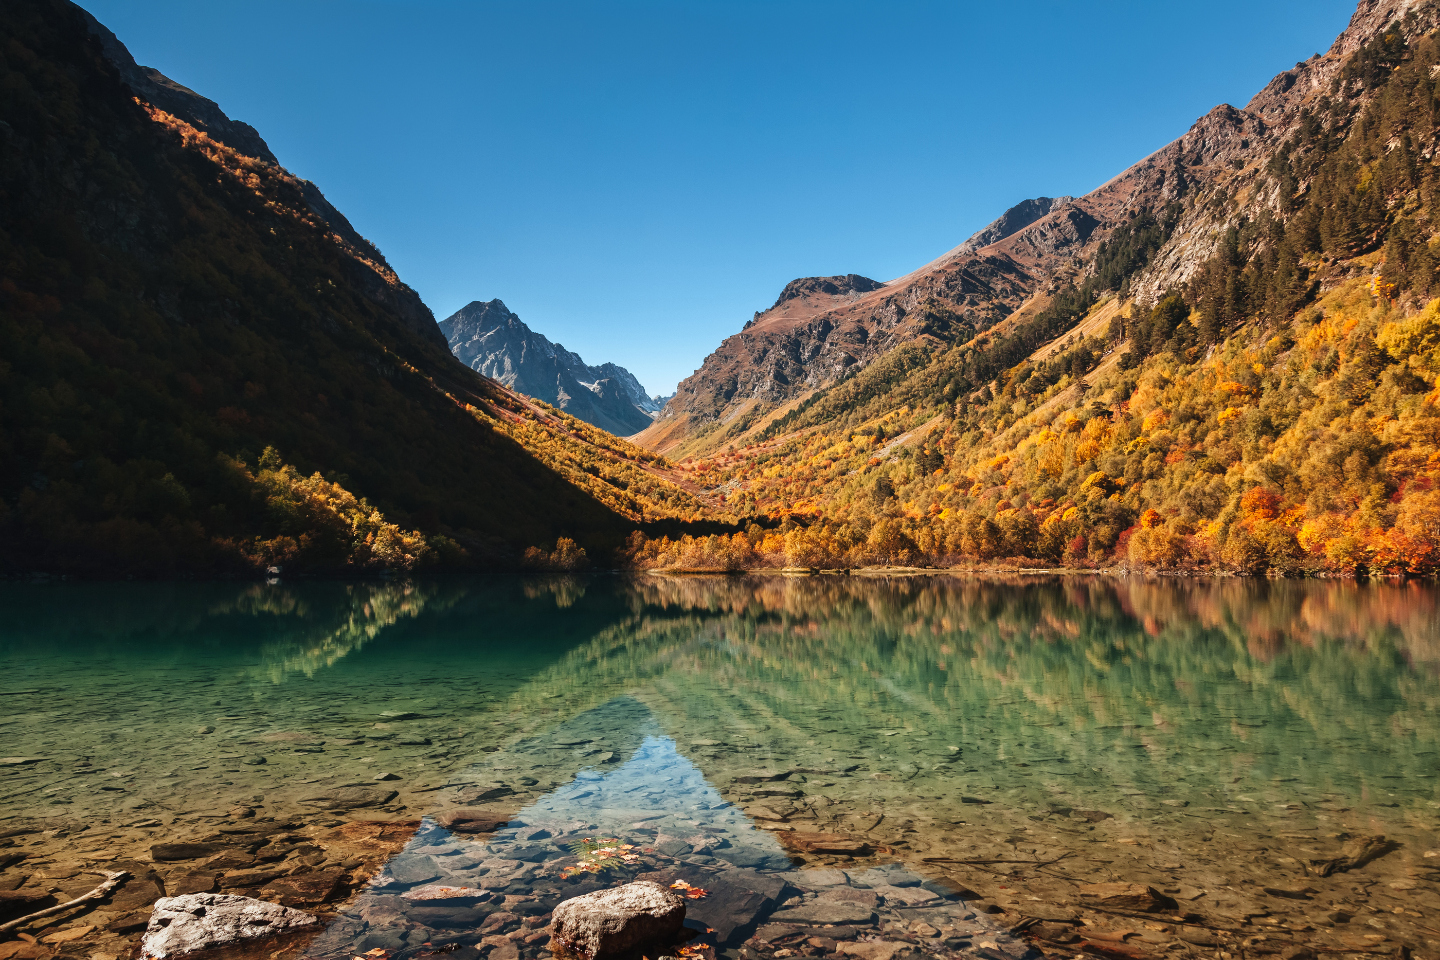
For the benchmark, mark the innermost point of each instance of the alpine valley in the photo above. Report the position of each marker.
(1225, 358)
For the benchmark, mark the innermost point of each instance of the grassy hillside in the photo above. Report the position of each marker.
(197, 375)
(1280, 413)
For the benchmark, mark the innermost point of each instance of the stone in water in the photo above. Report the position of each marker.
(181, 925)
(610, 922)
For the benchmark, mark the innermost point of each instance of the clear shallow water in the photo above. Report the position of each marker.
(1196, 736)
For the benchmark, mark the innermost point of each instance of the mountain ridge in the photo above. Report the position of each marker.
(781, 355)
(492, 340)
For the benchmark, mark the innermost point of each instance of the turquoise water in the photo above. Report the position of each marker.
(1158, 730)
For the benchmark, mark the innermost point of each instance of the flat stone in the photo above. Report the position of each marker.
(832, 843)
(875, 949)
(823, 877)
(1128, 896)
(865, 898)
(411, 870)
(196, 881)
(444, 894)
(481, 793)
(1046, 911)
(16, 903)
(172, 852)
(68, 935)
(637, 916)
(248, 878)
(199, 921)
(130, 922)
(346, 798)
(826, 911)
(906, 896)
(318, 886)
(138, 892)
(469, 820)
(20, 950)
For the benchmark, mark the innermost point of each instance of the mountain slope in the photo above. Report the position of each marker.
(1245, 379)
(171, 308)
(1018, 260)
(491, 340)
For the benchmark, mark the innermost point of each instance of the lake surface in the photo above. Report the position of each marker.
(943, 764)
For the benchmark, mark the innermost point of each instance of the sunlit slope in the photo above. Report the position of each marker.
(1268, 404)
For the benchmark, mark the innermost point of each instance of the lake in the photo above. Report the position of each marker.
(845, 766)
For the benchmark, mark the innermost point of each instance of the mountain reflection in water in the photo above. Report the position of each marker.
(1184, 734)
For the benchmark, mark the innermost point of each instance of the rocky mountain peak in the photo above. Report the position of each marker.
(850, 283)
(1012, 221)
(491, 339)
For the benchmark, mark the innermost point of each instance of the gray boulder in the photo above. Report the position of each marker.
(610, 922)
(199, 921)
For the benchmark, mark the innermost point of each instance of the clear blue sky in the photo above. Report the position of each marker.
(635, 179)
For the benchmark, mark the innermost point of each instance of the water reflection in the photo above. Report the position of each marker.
(1187, 734)
(647, 815)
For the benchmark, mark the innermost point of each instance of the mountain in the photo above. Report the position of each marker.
(1225, 359)
(1019, 261)
(490, 339)
(205, 370)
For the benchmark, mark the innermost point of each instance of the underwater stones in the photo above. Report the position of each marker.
(610, 922)
(439, 893)
(347, 798)
(318, 886)
(865, 898)
(480, 793)
(821, 912)
(411, 870)
(196, 881)
(874, 949)
(172, 852)
(1127, 896)
(906, 896)
(832, 843)
(16, 903)
(734, 899)
(199, 921)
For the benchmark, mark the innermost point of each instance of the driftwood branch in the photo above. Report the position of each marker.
(112, 880)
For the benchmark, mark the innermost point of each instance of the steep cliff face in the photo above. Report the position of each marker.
(1032, 250)
(490, 339)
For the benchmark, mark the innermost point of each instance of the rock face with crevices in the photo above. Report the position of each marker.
(611, 922)
(199, 921)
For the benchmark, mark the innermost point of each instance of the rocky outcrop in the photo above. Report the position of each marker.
(200, 921)
(490, 339)
(609, 923)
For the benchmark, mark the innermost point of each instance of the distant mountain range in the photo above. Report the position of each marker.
(492, 340)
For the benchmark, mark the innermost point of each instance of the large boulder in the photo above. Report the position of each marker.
(610, 922)
(198, 921)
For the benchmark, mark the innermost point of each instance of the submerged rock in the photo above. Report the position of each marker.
(610, 922)
(198, 921)
(345, 798)
(1127, 896)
